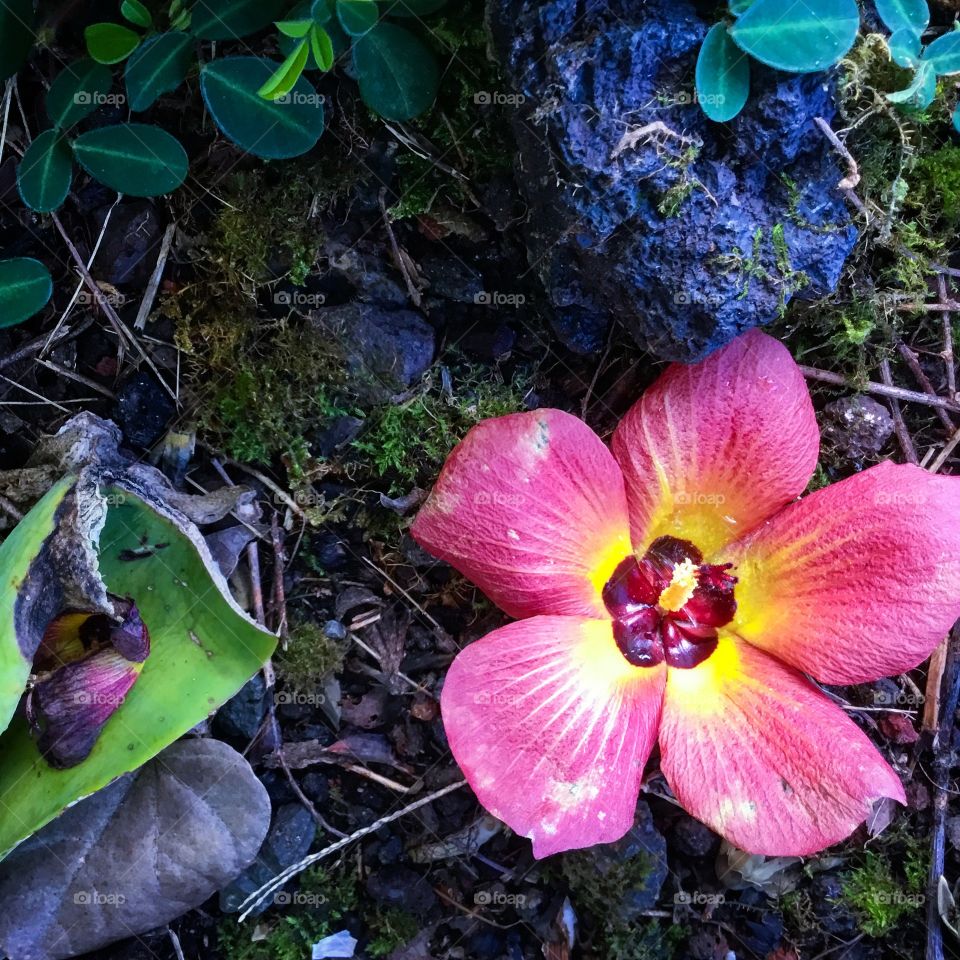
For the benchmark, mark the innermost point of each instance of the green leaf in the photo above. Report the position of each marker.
(135, 12)
(25, 288)
(232, 19)
(24, 280)
(919, 95)
(321, 11)
(801, 36)
(294, 28)
(911, 15)
(944, 53)
(737, 7)
(202, 651)
(723, 75)
(397, 74)
(287, 74)
(273, 129)
(158, 67)
(357, 17)
(77, 91)
(16, 35)
(412, 8)
(110, 42)
(133, 158)
(905, 48)
(45, 172)
(321, 46)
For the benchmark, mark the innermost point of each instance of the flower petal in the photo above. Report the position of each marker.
(859, 580)
(712, 450)
(552, 728)
(752, 749)
(531, 508)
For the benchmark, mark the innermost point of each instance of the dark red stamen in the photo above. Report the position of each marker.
(648, 634)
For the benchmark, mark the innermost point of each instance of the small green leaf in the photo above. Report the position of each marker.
(723, 76)
(136, 13)
(397, 74)
(110, 42)
(801, 36)
(911, 15)
(25, 288)
(158, 67)
(232, 19)
(944, 53)
(905, 48)
(412, 8)
(357, 17)
(45, 172)
(287, 74)
(294, 28)
(77, 91)
(16, 35)
(132, 158)
(919, 95)
(322, 48)
(273, 129)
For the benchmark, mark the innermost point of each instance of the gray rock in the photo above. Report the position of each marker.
(400, 887)
(856, 427)
(240, 717)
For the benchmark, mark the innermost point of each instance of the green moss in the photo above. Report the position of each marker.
(310, 658)
(390, 928)
(291, 937)
(883, 898)
(648, 940)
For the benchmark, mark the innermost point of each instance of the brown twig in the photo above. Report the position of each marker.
(279, 565)
(947, 339)
(35, 346)
(399, 258)
(847, 186)
(913, 362)
(150, 294)
(880, 389)
(899, 427)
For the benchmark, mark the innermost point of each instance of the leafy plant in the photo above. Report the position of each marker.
(397, 73)
(907, 20)
(25, 288)
(802, 37)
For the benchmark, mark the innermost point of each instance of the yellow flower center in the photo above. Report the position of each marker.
(682, 585)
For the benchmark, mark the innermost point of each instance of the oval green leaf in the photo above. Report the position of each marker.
(16, 35)
(202, 651)
(723, 75)
(944, 53)
(282, 80)
(110, 42)
(158, 67)
(133, 158)
(321, 46)
(905, 48)
(232, 19)
(357, 17)
(397, 74)
(136, 13)
(77, 91)
(297, 29)
(25, 289)
(801, 36)
(911, 15)
(919, 95)
(45, 172)
(273, 129)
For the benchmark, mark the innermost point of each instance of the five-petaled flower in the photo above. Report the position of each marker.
(674, 589)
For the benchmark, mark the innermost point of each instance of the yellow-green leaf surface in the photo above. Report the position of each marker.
(203, 650)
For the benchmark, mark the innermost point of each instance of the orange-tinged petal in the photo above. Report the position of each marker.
(713, 449)
(531, 508)
(552, 728)
(859, 580)
(750, 747)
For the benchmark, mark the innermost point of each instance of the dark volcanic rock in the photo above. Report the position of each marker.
(688, 242)
(856, 427)
(143, 409)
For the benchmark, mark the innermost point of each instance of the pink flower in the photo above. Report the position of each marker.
(675, 591)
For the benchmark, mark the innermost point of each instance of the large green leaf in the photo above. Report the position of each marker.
(919, 95)
(202, 652)
(357, 17)
(110, 42)
(397, 74)
(77, 91)
(904, 14)
(158, 66)
(944, 53)
(274, 129)
(905, 47)
(16, 35)
(232, 19)
(133, 158)
(19, 555)
(723, 75)
(801, 36)
(45, 172)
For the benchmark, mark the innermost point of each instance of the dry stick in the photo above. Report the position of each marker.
(397, 253)
(880, 389)
(947, 339)
(123, 332)
(35, 346)
(941, 457)
(79, 377)
(941, 779)
(847, 186)
(931, 700)
(10, 508)
(899, 427)
(948, 306)
(279, 562)
(150, 294)
(258, 896)
(913, 363)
